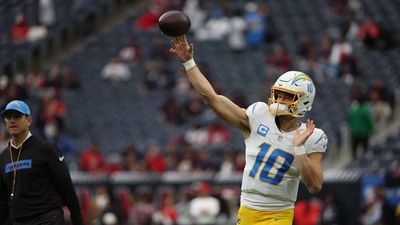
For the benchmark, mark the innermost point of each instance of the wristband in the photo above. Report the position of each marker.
(299, 150)
(189, 64)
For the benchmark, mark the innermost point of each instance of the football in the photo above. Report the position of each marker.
(174, 23)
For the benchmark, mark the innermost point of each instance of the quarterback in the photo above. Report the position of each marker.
(280, 149)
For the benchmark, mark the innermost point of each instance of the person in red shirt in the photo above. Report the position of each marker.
(92, 159)
(19, 31)
(369, 32)
(155, 161)
(148, 20)
(307, 212)
(279, 58)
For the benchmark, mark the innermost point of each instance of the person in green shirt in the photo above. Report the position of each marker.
(361, 125)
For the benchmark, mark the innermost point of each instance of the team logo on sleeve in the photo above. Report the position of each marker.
(262, 130)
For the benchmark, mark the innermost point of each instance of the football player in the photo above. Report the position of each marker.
(280, 149)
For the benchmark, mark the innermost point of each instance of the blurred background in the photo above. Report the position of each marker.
(142, 147)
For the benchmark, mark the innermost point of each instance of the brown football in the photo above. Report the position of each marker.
(174, 23)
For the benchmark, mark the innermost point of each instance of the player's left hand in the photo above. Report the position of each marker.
(300, 138)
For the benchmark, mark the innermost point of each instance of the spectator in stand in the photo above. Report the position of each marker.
(361, 125)
(47, 13)
(50, 115)
(130, 160)
(240, 162)
(347, 74)
(36, 32)
(228, 163)
(112, 212)
(306, 55)
(69, 80)
(332, 213)
(113, 162)
(182, 88)
(167, 215)
(204, 208)
(158, 51)
(148, 20)
(20, 29)
(196, 14)
(325, 48)
(155, 161)
(342, 51)
(193, 106)
(305, 47)
(54, 115)
(54, 78)
(270, 32)
(186, 164)
(182, 205)
(388, 211)
(166, 80)
(307, 212)
(279, 59)
(116, 71)
(92, 159)
(378, 210)
(157, 76)
(216, 27)
(132, 53)
(103, 208)
(65, 143)
(142, 211)
(15, 91)
(369, 33)
(203, 162)
(255, 25)
(381, 111)
(171, 156)
(154, 66)
(197, 136)
(171, 112)
(384, 93)
(35, 81)
(218, 134)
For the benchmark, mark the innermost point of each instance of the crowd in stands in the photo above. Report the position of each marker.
(23, 31)
(35, 20)
(204, 203)
(200, 203)
(43, 89)
(156, 158)
(204, 145)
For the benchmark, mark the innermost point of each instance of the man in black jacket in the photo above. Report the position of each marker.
(34, 180)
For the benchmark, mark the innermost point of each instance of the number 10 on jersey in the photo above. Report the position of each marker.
(269, 163)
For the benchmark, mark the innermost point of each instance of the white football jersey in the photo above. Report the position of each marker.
(271, 176)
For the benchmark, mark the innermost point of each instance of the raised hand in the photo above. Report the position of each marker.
(300, 138)
(182, 49)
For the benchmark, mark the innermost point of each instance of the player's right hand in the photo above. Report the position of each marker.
(182, 49)
(300, 138)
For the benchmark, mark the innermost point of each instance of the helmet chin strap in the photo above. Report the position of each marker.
(277, 109)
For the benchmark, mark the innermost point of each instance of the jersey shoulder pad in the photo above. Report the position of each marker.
(317, 142)
(256, 108)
